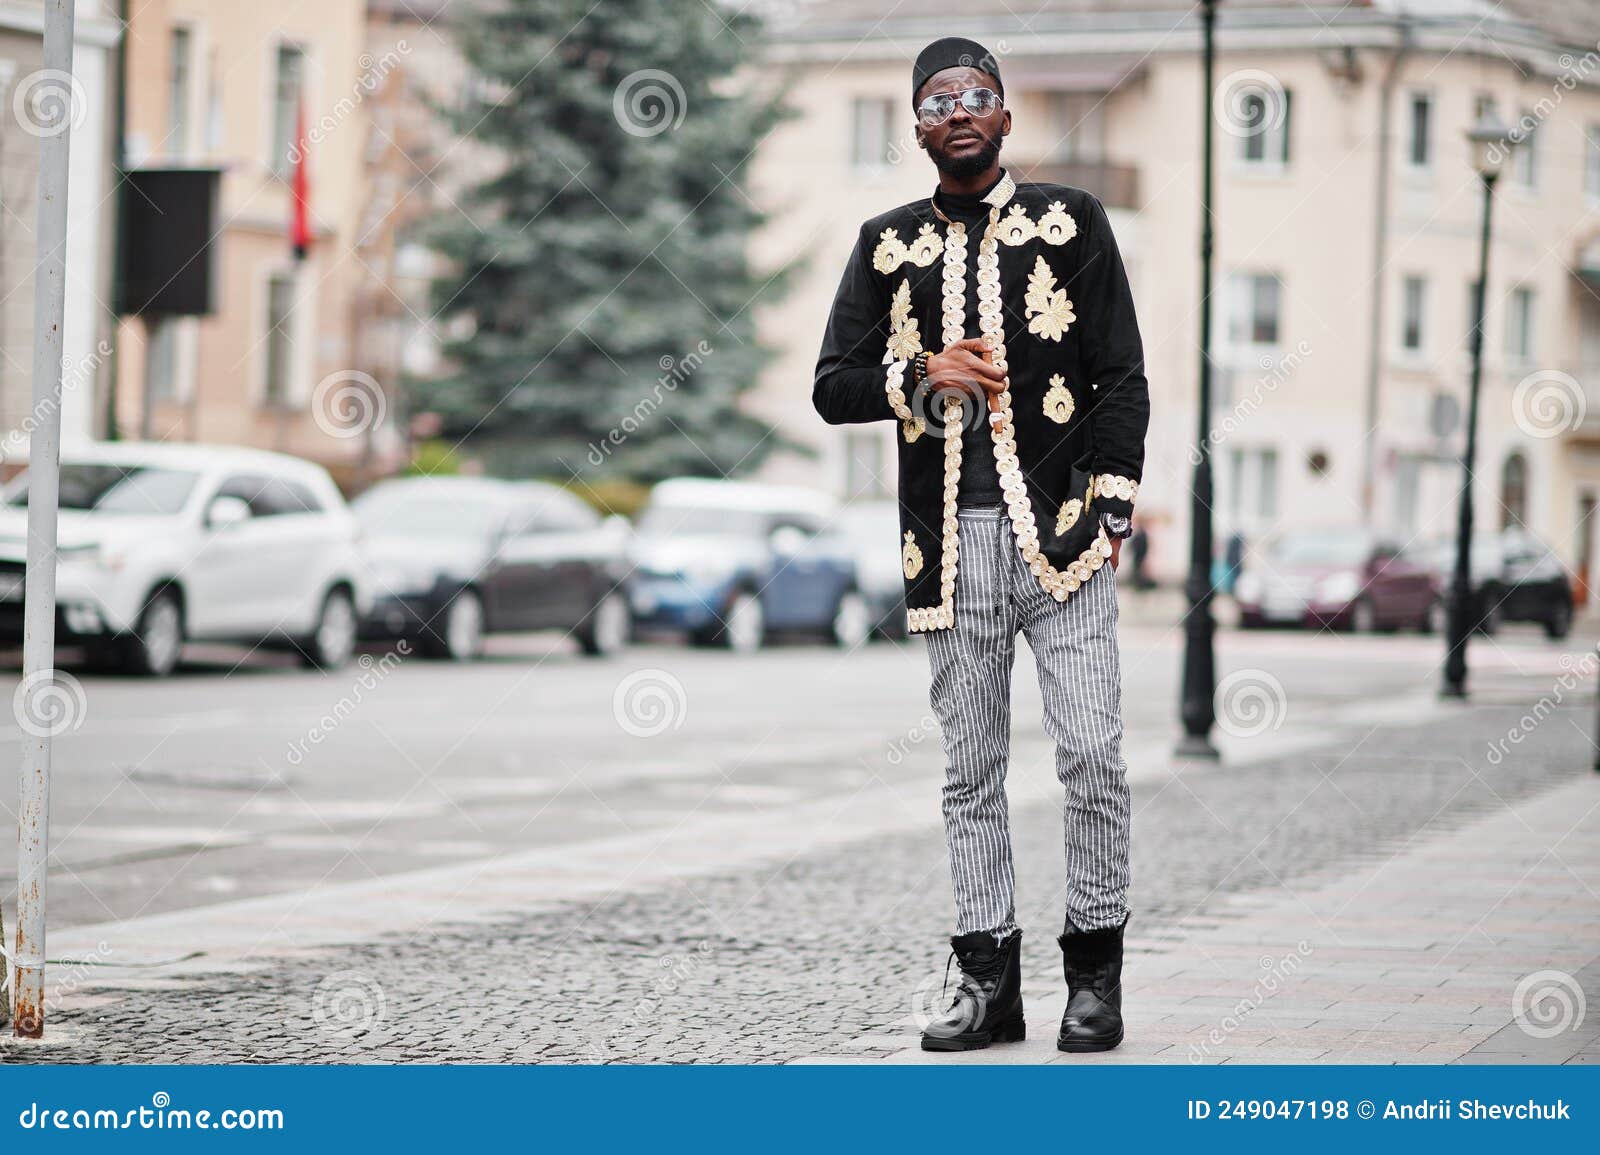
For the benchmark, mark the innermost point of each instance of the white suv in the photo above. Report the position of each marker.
(159, 544)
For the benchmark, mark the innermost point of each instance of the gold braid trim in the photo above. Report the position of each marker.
(953, 315)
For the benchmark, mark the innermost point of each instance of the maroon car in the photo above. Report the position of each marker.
(1342, 578)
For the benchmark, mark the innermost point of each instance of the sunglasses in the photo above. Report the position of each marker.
(940, 107)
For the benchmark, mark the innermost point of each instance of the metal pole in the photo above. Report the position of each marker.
(44, 476)
(1199, 660)
(1460, 607)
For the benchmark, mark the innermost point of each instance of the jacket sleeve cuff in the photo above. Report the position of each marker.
(1114, 493)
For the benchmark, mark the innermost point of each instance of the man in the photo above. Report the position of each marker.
(993, 324)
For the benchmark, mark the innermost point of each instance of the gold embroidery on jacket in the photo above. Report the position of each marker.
(905, 339)
(1058, 403)
(1068, 517)
(892, 252)
(1047, 306)
(1055, 227)
(911, 556)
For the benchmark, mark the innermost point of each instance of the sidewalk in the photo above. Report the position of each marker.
(1417, 957)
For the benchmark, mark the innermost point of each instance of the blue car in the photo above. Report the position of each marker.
(733, 563)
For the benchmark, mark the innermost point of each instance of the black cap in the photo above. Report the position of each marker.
(953, 52)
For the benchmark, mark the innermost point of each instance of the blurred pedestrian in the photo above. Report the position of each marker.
(993, 363)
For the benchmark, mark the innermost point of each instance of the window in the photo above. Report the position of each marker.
(1514, 491)
(1591, 162)
(1077, 126)
(1525, 156)
(1253, 494)
(871, 117)
(161, 359)
(553, 511)
(179, 86)
(284, 495)
(1419, 128)
(251, 488)
(1254, 301)
(289, 67)
(1413, 305)
(1519, 325)
(1264, 117)
(279, 343)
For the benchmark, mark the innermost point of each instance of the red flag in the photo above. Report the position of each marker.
(300, 221)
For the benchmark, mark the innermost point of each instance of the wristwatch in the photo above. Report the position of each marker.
(1115, 525)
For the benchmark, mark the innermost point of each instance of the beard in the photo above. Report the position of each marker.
(966, 164)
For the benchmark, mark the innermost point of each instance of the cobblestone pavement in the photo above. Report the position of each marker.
(824, 954)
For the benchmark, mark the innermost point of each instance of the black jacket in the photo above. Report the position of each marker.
(1053, 294)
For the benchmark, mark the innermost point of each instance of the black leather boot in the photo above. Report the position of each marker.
(987, 1004)
(1092, 961)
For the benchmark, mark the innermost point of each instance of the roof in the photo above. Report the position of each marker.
(183, 455)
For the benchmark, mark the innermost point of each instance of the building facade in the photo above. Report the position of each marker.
(218, 84)
(27, 91)
(1347, 218)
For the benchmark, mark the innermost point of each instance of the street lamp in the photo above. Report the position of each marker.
(1491, 143)
(1196, 705)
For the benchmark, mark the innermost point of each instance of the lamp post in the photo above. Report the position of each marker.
(1491, 143)
(1196, 706)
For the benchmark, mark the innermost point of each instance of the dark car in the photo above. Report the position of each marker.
(456, 558)
(1340, 577)
(873, 530)
(1516, 577)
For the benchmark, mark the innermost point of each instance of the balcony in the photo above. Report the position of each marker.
(1117, 185)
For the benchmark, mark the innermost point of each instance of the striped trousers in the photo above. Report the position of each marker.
(1074, 644)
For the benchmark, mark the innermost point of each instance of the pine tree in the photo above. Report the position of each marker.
(604, 267)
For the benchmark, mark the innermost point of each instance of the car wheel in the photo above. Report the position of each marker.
(1364, 618)
(157, 640)
(334, 640)
(744, 625)
(461, 640)
(608, 627)
(852, 621)
(1559, 623)
(1436, 620)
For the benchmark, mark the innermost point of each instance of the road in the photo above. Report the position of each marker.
(244, 775)
(513, 857)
